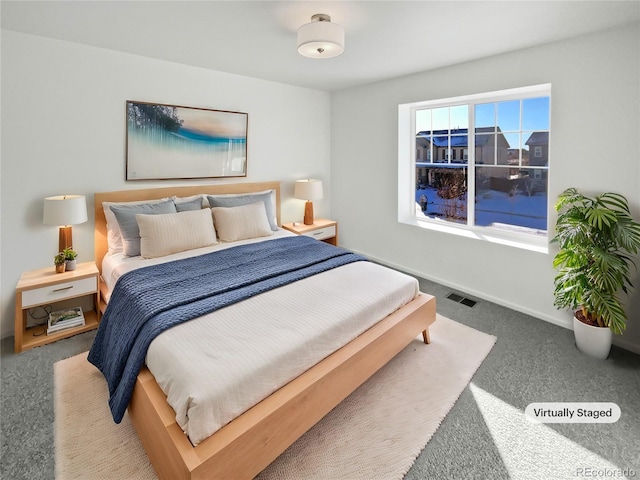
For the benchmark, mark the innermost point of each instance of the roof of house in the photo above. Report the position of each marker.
(459, 136)
(538, 138)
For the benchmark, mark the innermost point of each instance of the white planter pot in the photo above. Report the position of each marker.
(593, 341)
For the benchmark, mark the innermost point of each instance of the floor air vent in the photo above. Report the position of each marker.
(460, 299)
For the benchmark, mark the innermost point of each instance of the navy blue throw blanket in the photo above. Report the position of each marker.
(147, 301)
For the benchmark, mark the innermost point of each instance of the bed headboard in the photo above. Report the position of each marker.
(100, 238)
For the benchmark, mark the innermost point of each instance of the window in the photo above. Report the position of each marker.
(495, 133)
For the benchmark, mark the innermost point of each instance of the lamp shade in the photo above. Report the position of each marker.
(65, 210)
(320, 38)
(308, 189)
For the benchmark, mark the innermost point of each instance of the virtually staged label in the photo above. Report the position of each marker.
(567, 412)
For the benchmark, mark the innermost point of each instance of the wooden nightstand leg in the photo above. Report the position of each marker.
(425, 336)
(18, 325)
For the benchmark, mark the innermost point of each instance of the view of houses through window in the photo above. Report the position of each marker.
(484, 161)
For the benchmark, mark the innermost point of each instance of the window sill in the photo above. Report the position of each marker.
(534, 243)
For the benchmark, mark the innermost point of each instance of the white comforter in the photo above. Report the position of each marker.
(215, 367)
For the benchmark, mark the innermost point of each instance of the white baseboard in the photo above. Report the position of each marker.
(568, 324)
(619, 341)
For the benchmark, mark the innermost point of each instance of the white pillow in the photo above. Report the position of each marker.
(242, 222)
(237, 199)
(169, 233)
(114, 238)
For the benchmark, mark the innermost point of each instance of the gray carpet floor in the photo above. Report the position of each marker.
(481, 437)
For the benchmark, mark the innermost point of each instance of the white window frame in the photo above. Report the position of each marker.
(406, 172)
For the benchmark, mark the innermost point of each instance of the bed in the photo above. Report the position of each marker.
(245, 445)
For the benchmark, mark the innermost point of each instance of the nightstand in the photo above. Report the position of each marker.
(46, 287)
(322, 229)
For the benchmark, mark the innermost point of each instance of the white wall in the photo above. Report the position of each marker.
(63, 131)
(595, 124)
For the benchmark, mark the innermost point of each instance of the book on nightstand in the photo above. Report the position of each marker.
(64, 319)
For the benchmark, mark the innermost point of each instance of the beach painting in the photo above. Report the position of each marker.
(173, 142)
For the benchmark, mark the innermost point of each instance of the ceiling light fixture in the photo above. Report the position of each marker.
(320, 38)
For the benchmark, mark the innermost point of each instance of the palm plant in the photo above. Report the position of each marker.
(596, 237)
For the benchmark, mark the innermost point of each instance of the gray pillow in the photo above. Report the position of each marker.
(195, 204)
(126, 217)
(239, 200)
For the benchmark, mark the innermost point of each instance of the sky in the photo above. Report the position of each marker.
(514, 116)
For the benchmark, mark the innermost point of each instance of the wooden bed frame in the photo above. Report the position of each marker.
(245, 446)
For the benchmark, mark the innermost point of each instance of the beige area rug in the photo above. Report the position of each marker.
(376, 433)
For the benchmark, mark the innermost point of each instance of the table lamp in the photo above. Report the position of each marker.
(308, 190)
(64, 211)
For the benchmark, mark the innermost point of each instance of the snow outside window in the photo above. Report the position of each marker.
(498, 188)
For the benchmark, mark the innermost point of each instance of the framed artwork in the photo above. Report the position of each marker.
(172, 142)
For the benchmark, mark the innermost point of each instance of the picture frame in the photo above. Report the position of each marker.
(175, 142)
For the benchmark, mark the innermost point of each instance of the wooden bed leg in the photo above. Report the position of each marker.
(425, 336)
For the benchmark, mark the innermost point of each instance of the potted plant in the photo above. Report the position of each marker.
(596, 237)
(70, 256)
(59, 262)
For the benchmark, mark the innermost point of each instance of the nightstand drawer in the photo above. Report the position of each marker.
(322, 233)
(61, 291)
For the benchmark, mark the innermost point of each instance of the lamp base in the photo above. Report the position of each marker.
(65, 238)
(308, 213)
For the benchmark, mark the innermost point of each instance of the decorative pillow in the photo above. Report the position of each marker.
(201, 196)
(235, 200)
(162, 235)
(114, 238)
(239, 223)
(189, 205)
(126, 217)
